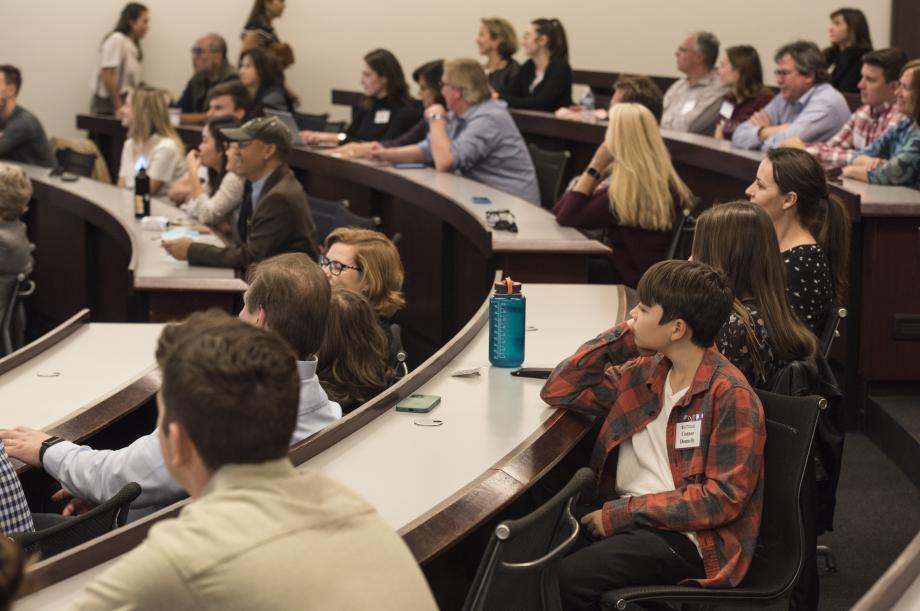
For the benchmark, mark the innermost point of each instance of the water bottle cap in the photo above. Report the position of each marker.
(508, 287)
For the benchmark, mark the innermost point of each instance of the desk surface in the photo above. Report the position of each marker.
(405, 470)
(152, 267)
(79, 372)
(408, 471)
(537, 227)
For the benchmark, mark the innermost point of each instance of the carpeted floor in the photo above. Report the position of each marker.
(878, 513)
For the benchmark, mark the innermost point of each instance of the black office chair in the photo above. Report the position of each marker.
(682, 236)
(334, 127)
(69, 160)
(311, 122)
(832, 320)
(72, 532)
(329, 215)
(13, 289)
(398, 354)
(550, 166)
(779, 556)
(515, 572)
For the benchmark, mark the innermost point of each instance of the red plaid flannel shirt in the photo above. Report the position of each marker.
(719, 485)
(865, 126)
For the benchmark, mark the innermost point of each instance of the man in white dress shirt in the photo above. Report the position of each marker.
(289, 295)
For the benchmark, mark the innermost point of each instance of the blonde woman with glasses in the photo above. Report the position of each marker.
(631, 191)
(152, 142)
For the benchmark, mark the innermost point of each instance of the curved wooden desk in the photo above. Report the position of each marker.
(441, 229)
(433, 484)
(91, 252)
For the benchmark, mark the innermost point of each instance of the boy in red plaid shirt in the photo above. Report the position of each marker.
(679, 457)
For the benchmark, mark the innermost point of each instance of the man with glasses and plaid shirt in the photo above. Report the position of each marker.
(807, 107)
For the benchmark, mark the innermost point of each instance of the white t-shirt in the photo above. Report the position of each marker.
(118, 51)
(164, 162)
(643, 466)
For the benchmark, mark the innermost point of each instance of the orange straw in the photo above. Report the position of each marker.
(509, 284)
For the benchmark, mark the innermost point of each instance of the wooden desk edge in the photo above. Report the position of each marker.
(46, 341)
(894, 582)
(122, 540)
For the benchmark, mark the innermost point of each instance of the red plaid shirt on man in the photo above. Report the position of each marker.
(718, 492)
(865, 126)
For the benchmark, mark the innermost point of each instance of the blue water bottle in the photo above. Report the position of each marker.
(507, 308)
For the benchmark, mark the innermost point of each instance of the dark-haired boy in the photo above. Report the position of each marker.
(679, 457)
(259, 534)
(22, 137)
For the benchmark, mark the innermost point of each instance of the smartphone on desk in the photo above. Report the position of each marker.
(418, 404)
(409, 166)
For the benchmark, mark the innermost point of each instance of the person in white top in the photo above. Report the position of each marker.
(152, 142)
(288, 295)
(215, 191)
(120, 58)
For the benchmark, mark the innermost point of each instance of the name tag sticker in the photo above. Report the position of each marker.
(382, 116)
(688, 434)
(688, 106)
(727, 109)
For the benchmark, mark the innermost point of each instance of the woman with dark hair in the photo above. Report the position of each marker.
(544, 82)
(120, 58)
(812, 227)
(388, 111)
(354, 358)
(216, 190)
(762, 334)
(259, 32)
(428, 76)
(894, 159)
(740, 72)
(850, 40)
(498, 42)
(261, 74)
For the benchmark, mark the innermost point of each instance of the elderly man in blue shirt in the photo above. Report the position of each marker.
(807, 106)
(478, 139)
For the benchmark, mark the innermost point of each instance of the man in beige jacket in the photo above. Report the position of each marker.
(258, 534)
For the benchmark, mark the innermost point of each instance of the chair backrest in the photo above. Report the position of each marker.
(100, 170)
(72, 532)
(81, 164)
(829, 333)
(334, 127)
(329, 215)
(397, 352)
(550, 167)
(13, 287)
(513, 571)
(682, 235)
(311, 122)
(790, 426)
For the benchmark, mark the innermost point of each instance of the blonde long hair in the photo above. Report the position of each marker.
(642, 175)
(149, 118)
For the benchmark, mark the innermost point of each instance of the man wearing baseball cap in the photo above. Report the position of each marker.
(275, 217)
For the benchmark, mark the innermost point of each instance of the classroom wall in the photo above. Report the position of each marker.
(55, 42)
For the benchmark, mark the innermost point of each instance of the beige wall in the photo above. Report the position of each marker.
(55, 42)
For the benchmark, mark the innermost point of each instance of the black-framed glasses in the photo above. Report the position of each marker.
(335, 267)
(502, 220)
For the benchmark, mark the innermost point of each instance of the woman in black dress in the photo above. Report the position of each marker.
(813, 229)
(850, 40)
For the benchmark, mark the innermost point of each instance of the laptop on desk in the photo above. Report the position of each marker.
(289, 122)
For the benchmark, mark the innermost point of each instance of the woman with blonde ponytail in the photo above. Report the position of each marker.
(152, 141)
(631, 190)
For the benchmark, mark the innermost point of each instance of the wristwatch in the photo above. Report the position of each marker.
(435, 116)
(593, 173)
(45, 445)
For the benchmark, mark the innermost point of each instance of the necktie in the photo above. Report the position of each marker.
(245, 212)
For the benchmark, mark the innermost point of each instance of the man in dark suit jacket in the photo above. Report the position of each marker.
(275, 217)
